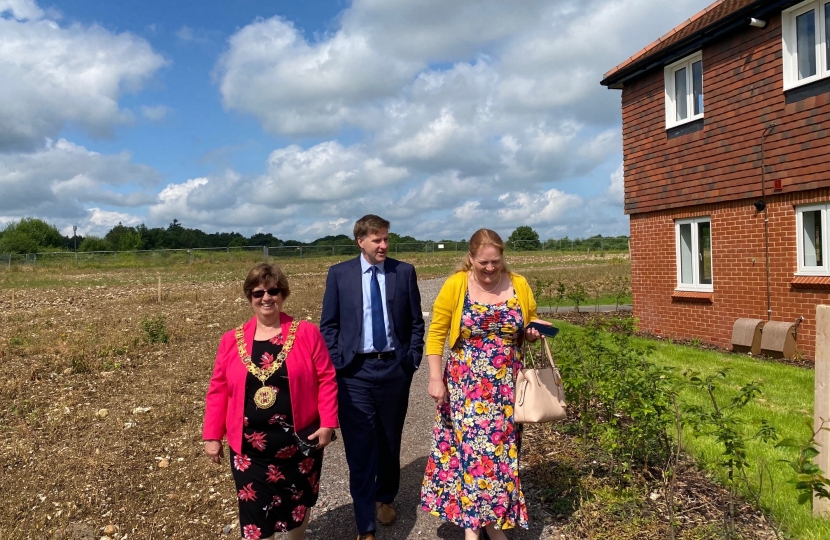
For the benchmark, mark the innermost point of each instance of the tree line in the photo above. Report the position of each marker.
(32, 235)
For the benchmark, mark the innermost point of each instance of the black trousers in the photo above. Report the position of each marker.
(373, 395)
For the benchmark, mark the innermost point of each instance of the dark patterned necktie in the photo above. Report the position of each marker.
(378, 327)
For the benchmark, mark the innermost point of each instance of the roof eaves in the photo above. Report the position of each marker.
(651, 46)
(648, 58)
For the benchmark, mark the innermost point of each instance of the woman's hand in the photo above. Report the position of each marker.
(437, 390)
(323, 436)
(214, 451)
(531, 334)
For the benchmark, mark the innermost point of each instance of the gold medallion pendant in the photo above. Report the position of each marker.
(265, 397)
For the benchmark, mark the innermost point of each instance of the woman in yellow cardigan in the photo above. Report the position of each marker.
(472, 476)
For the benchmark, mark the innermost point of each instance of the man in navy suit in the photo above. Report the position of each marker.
(374, 330)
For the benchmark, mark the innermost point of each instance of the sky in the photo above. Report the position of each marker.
(297, 118)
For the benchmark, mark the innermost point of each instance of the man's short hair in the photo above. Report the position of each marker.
(369, 224)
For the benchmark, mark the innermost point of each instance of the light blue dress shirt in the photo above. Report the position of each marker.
(366, 341)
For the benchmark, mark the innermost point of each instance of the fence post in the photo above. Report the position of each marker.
(229, 252)
(821, 409)
(265, 253)
(190, 255)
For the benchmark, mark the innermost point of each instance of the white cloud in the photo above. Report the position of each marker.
(21, 10)
(616, 190)
(487, 90)
(55, 75)
(325, 172)
(200, 36)
(319, 229)
(294, 87)
(441, 116)
(155, 113)
(217, 203)
(101, 221)
(186, 33)
(62, 178)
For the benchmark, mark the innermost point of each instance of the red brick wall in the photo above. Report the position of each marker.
(743, 93)
(738, 270)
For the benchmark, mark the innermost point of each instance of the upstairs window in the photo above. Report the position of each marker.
(694, 254)
(811, 234)
(805, 43)
(684, 91)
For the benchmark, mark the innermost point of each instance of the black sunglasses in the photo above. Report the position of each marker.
(273, 291)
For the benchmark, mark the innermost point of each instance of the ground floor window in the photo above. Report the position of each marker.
(694, 254)
(811, 230)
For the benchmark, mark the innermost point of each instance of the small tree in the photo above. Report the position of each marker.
(560, 294)
(16, 241)
(577, 295)
(524, 238)
(94, 243)
(30, 235)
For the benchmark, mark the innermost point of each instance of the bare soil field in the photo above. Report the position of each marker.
(100, 417)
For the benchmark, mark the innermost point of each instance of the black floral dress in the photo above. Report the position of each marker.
(276, 484)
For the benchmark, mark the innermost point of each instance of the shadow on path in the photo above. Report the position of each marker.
(407, 506)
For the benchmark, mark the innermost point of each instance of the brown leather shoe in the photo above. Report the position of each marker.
(367, 536)
(385, 513)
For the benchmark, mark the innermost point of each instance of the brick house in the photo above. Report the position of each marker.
(741, 83)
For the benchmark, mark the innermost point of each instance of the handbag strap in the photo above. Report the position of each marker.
(548, 353)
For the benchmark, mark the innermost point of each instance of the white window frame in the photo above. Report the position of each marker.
(671, 109)
(823, 270)
(789, 43)
(696, 285)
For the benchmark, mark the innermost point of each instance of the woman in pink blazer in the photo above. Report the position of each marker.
(273, 395)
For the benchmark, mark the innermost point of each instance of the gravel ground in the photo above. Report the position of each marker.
(334, 519)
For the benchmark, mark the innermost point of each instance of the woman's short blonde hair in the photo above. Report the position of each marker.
(479, 239)
(266, 274)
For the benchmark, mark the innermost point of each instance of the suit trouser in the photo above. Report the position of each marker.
(373, 396)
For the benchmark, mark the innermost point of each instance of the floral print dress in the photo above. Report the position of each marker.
(276, 484)
(472, 475)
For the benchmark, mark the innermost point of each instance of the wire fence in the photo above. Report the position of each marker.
(164, 257)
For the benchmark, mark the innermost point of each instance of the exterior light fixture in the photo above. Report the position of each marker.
(759, 205)
(757, 23)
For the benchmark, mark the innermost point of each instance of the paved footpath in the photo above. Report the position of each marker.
(333, 518)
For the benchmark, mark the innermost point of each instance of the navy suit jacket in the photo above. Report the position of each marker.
(342, 320)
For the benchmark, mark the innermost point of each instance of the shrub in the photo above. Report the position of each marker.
(94, 243)
(625, 402)
(577, 295)
(155, 329)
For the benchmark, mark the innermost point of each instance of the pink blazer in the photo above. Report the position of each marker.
(311, 381)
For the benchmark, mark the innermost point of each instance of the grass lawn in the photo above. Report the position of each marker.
(786, 403)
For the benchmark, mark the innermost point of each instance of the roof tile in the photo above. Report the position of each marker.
(699, 21)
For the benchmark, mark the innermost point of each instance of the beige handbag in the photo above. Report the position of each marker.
(539, 393)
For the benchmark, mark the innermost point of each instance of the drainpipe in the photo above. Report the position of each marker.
(765, 208)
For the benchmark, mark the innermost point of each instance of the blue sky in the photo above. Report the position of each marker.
(297, 118)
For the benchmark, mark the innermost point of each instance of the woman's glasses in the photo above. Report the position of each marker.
(273, 291)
